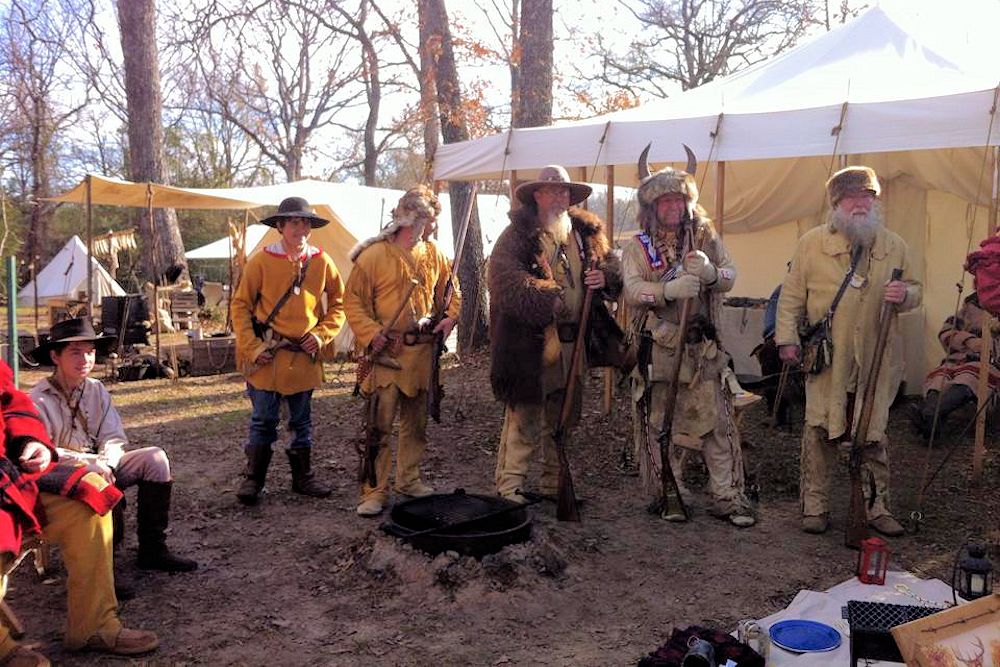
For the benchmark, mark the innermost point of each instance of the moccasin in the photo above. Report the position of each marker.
(816, 524)
(416, 490)
(887, 525)
(128, 642)
(369, 508)
(25, 657)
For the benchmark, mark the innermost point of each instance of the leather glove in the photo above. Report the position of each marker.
(684, 286)
(697, 263)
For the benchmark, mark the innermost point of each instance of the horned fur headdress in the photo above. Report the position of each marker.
(417, 204)
(652, 186)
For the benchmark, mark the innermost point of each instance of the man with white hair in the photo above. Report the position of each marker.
(384, 266)
(538, 274)
(854, 254)
(678, 256)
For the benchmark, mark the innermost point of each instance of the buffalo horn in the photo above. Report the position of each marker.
(692, 165)
(644, 172)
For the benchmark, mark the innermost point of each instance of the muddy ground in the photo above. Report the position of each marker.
(300, 581)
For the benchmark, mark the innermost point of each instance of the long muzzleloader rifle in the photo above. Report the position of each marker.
(567, 508)
(669, 490)
(371, 434)
(856, 528)
(435, 391)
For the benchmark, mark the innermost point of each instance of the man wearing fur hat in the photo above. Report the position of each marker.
(538, 274)
(384, 267)
(677, 256)
(854, 236)
(282, 325)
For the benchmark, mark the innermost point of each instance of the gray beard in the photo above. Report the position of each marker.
(860, 230)
(557, 225)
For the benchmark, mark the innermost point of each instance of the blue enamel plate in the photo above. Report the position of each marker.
(804, 636)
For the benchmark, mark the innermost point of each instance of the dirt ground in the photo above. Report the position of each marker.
(300, 581)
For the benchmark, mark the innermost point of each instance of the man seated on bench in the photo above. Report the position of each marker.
(82, 535)
(84, 426)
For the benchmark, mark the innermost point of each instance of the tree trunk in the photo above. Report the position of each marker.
(428, 95)
(163, 249)
(534, 101)
(472, 322)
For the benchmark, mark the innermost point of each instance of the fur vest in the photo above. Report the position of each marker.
(523, 295)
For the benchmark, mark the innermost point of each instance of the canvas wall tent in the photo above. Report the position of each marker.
(223, 248)
(65, 277)
(909, 89)
(355, 212)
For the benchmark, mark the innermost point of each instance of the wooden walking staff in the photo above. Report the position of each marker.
(856, 528)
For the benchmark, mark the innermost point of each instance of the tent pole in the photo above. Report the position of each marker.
(994, 204)
(31, 268)
(513, 186)
(720, 195)
(90, 250)
(12, 340)
(156, 279)
(582, 175)
(982, 396)
(609, 177)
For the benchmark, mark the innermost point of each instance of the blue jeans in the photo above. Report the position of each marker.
(266, 413)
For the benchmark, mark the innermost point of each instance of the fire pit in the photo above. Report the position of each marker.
(468, 523)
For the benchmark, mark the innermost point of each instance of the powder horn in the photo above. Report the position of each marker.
(692, 165)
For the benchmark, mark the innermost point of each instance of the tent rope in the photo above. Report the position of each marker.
(600, 149)
(711, 149)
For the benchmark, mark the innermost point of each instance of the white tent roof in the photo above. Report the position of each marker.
(356, 212)
(223, 248)
(65, 277)
(900, 77)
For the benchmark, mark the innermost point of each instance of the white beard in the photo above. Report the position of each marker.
(558, 226)
(860, 230)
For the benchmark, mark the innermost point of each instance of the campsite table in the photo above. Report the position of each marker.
(826, 608)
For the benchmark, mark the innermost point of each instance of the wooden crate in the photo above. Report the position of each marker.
(210, 356)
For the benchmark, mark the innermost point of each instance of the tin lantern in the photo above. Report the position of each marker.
(873, 561)
(972, 576)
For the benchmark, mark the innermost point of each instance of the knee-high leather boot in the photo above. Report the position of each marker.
(258, 460)
(303, 479)
(152, 517)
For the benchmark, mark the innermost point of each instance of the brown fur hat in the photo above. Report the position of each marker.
(417, 203)
(852, 179)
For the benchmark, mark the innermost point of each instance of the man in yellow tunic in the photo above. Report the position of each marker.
(819, 266)
(287, 309)
(384, 267)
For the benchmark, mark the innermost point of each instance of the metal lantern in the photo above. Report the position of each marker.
(873, 561)
(972, 577)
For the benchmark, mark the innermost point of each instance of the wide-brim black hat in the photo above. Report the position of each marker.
(295, 207)
(70, 331)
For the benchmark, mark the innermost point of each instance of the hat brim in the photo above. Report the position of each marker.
(577, 191)
(41, 356)
(314, 220)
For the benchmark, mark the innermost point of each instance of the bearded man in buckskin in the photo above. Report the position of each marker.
(538, 274)
(853, 254)
(677, 256)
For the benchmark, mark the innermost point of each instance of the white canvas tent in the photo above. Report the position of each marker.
(909, 89)
(65, 277)
(223, 248)
(355, 212)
